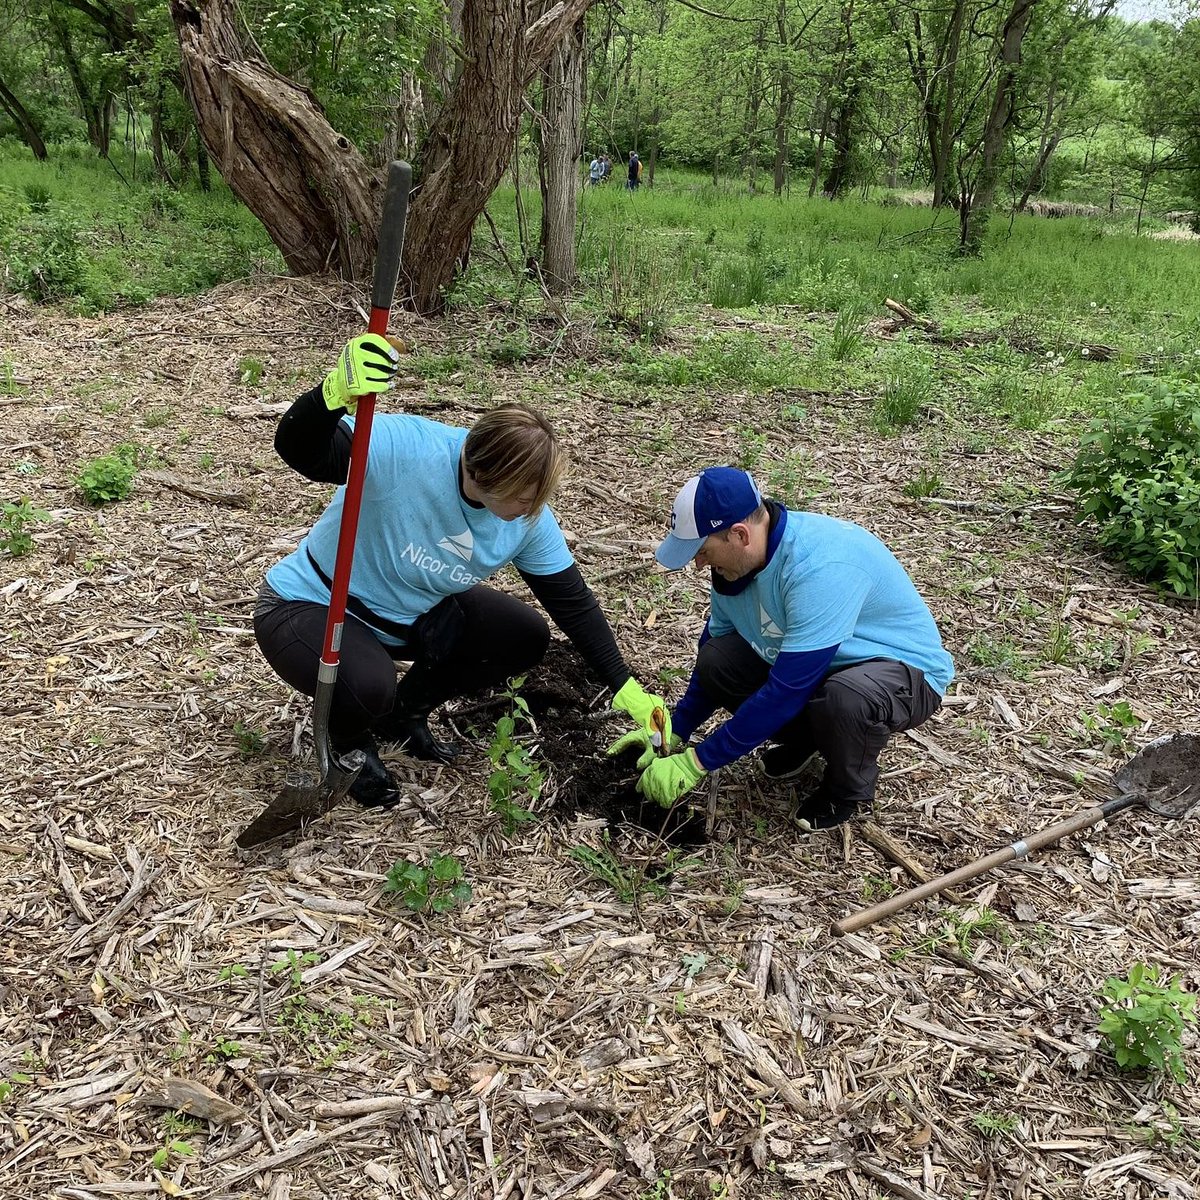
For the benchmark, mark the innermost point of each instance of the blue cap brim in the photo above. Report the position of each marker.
(676, 552)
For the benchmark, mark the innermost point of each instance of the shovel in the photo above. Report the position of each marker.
(1163, 777)
(300, 801)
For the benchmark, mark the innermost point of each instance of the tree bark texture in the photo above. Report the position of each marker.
(977, 207)
(275, 148)
(29, 131)
(561, 133)
(472, 139)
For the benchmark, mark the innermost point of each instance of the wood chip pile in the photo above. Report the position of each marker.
(178, 1019)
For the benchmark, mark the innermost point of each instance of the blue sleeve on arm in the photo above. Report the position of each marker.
(793, 679)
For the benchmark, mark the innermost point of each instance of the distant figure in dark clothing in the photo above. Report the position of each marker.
(635, 172)
(605, 168)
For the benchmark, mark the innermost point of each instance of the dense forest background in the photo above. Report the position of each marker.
(980, 106)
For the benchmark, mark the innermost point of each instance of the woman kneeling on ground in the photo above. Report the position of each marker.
(443, 510)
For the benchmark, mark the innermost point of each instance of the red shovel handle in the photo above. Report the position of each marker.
(387, 270)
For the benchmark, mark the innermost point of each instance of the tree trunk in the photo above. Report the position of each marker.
(559, 145)
(156, 137)
(472, 139)
(783, 115)
(16, 110)
(819, 152)
(308, 184)
(652, 133)
(843, 142)
(272, 144)
(945, 144)
(92, 108)
(976, 208)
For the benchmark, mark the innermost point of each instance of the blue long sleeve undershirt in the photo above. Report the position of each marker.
(793, 679)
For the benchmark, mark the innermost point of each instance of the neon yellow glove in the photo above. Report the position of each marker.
(641, 706)
(666, 779)
(639, 737)
(365, 365)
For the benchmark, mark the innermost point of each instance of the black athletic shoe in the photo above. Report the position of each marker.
(786, 761)
(412, 737)
(819, 811)
(374, 786)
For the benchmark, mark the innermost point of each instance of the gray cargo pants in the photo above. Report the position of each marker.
(848, 719)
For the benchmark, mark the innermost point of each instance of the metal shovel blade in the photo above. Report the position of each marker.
(300, 802)
(1166, 773)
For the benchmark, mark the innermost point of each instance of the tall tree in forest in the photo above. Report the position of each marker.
(308, 183)
(560, 131)
(975, 202)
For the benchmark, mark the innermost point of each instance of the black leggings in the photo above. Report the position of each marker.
(848, 719)
(468, 642)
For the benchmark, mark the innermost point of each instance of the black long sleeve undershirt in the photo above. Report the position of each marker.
(574, 608)
(313, 441)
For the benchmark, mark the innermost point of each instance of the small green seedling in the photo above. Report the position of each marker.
(250, 372)
(1144, 1021)
(163, 1155)
(15, 517)
(994, 1124)
(435, 888)
(250, 741)
(223, 1051)
(516, 780)
(1111, 724)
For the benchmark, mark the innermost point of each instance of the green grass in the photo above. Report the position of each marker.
(73, 231)
(1073, 279)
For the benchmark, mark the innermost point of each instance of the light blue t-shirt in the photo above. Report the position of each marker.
(831, 583)
(418, 540)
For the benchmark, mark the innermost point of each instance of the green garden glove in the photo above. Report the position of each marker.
(639, 737)
(365, 366)
(641, 706)
(666, 779)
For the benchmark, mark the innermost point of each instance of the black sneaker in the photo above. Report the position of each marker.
(820, 811)
(412, 737)
(374, 786)
(786, 761)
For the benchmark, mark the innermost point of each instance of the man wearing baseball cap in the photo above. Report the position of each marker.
(817, 642)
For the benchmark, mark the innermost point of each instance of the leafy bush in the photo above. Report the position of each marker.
(1137, 474)
(44, 259)
(109, 478)
(1144, 1020)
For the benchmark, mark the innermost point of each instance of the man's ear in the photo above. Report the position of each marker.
(742, 532)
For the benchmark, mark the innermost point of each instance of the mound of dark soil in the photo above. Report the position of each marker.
(574, 727)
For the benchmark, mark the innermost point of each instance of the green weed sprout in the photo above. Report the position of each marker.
(435, 888)
(1144, 1021)
(109, 478)
(516, 779)
(15, 516)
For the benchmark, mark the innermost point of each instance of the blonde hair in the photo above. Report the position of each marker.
(513, 450)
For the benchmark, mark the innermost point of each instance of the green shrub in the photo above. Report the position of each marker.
(109, 478)
(1144, 1020)
(44, 257)
(1137, 475)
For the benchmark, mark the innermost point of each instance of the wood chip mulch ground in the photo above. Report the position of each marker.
(178, 1018)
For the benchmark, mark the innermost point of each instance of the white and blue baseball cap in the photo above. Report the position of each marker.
(709, 502)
